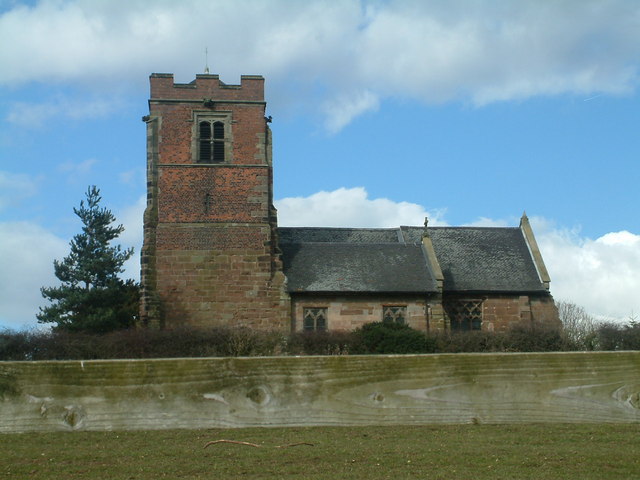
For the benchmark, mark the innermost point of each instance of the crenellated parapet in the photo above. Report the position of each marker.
(207, 87)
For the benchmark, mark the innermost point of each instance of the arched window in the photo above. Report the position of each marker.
(314, 319)
(211, 140)
(464, 314)
(394, 314)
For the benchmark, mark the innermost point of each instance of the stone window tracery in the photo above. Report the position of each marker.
(314, 319)
(394, 314)
(464, 314)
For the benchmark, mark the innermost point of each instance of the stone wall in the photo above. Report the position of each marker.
(350, 312)
(503, 312)
(499, 312)
(545, 312)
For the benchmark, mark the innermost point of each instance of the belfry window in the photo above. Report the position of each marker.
(211, 142)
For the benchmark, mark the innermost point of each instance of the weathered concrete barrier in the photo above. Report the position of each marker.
(287, 391)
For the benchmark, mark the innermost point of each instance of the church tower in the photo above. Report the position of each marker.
(210, 254)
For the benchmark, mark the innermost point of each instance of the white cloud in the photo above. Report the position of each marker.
(36, 115)
(482, 52)
(351, 207)
(341, 111)
(130, 177)
(27, 252)
(492, 222)
(602, 275)
(131, 219)
(15, 187)
(77, 170)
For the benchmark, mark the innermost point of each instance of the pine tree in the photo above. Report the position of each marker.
(91, 297)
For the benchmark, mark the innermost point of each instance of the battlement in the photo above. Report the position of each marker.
(251, 88)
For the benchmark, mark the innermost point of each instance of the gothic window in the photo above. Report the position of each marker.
(314, 319)
(211, 142)
(464, 314)
(394, 314)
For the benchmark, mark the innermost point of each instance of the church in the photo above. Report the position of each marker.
(214, 255)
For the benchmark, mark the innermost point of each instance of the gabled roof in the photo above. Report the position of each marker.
(472, 259)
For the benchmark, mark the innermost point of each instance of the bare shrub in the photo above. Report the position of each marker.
(617, 336)
(578, 326)
(321, 343)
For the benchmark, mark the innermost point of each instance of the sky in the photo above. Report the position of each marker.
(384, 112)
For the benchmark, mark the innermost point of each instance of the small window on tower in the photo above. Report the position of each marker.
(218, 142)
(205, 142)
(211, 142)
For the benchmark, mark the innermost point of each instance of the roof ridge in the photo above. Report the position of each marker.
(342, 228)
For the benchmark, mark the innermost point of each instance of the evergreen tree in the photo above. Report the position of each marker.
(91, 297)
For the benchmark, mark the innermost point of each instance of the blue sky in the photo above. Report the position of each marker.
(470, 112)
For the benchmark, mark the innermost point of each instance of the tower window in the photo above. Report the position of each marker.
(211, 142)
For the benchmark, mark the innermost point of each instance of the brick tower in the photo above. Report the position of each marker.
(210, 253)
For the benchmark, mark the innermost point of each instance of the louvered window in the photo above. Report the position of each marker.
(211, 142)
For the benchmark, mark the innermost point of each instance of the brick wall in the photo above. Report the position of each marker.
(178, 127)
(213, 194)
(251, 88)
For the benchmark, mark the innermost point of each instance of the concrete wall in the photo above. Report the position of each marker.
(287, 391)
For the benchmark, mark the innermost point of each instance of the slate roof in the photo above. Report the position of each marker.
(356, 267)
(482, 259)
(338, 235)
(472, 259)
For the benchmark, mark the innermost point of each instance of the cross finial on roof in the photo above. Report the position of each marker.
(425, 232)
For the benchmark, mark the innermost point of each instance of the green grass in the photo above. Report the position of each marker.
(427, 452)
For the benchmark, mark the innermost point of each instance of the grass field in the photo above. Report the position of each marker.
(427, 452)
